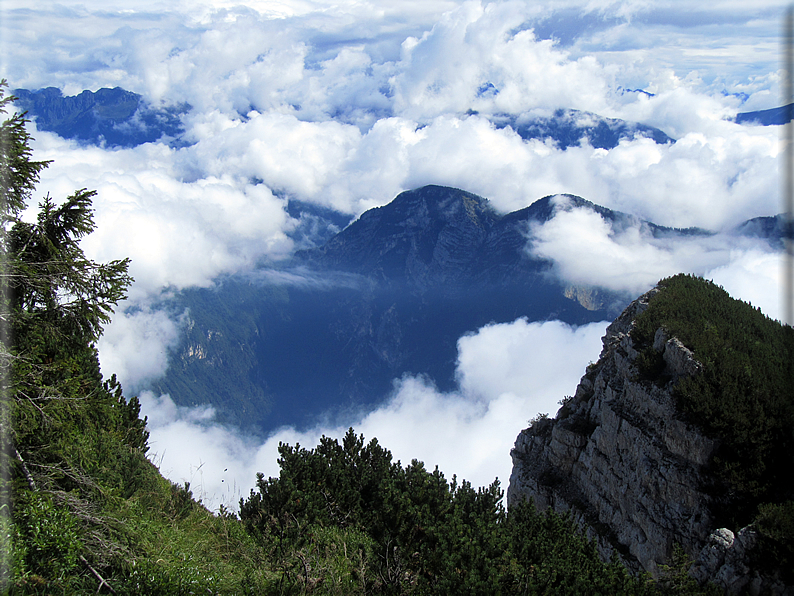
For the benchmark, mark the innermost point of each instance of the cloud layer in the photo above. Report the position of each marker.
(588, 249)
(504, 380)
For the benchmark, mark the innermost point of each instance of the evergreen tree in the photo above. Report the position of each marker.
(18, 172)
(64, 429)
(418, 533)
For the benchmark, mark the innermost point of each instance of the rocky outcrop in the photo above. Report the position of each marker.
(630, 471)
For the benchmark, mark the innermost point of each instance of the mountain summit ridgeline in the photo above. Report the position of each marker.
(389, 295)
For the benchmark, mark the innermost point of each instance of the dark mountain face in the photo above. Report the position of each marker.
(315, 225)
(447, 238)
(770, 228)
(389, 295)
(425, 236)
(771, 117)
(568, 128)
(119, 118)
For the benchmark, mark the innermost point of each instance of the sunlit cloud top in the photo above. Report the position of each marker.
(276, 50)
(346, 104)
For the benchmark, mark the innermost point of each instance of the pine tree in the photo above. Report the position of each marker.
(66, 433)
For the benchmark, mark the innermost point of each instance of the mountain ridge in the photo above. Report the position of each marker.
(569, 128)
(115, 117)
(426, 224)
(771, 117)
(389, 295)
(123, 118)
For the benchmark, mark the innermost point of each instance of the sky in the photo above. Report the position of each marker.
(345, 104)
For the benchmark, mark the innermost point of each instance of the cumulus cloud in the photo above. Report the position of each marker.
(300, 157)
(488, 47)
(712, 180)
(135, 346)
(754, 276)
(177, 233)
(508, 373)
(588, 249)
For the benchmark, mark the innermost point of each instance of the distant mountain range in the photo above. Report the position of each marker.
(115, 117)
(120, 118)
(569, 128)
(391, 294)
(771, 117)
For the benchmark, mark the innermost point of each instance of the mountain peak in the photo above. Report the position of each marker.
(433, 203)
(649, 452)
(422, 233)
(115, 116)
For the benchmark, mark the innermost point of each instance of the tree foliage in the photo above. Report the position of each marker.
(417, 532)
(744, 396)
(19, 174)
(71, 438)
(82, 510)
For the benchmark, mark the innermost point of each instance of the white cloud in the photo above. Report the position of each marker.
(136, 344)
(177, 233)
(289, 154)
(468, 432)
(754, 276)
(587, 249)
(480, 44)
(508, 373)
(523, 357)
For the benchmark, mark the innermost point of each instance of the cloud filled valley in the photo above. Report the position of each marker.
(341, 107)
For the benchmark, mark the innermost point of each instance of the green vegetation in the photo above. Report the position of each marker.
(83, 511)
(81, 507)
(343, 518)
(744, 398)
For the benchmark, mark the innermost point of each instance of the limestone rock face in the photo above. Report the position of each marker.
(617, 456)
(632, 473)
(725, 560)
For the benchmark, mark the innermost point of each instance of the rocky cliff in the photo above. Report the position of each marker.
(634, 474)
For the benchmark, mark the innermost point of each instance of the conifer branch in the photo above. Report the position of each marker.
(102, 581)
(31, 482)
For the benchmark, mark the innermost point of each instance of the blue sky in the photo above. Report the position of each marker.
(345, 104)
